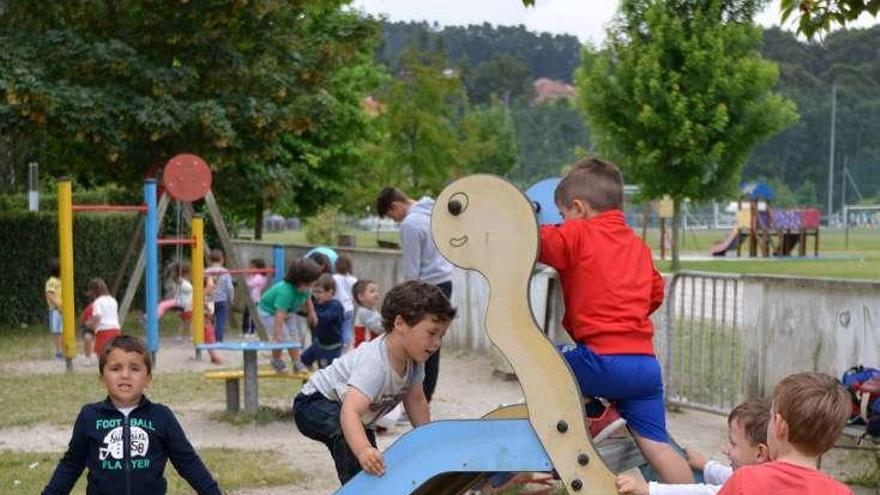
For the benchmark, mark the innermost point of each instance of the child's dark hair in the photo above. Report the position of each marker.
(326, 282)
(97, 287)
(594, 181)
(127, 343)
(258, 263)
(323, 261)
(359, 288)
(753, 415)
(216, 255)
(387, 196)
(343, 265)
(414, 301)
(54, 267)
(816, 408)
(303, 271)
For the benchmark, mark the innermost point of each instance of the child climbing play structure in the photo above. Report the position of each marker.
(485, 224)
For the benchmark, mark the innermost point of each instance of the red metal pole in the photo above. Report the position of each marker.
(110, 208)
(176, 242)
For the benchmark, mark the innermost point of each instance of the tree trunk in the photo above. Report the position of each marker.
(676, 227)
(258, 219)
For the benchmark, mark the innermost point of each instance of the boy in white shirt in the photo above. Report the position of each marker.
(746, 445)
(340, 404)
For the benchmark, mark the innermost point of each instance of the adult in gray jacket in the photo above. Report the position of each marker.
(421, 259)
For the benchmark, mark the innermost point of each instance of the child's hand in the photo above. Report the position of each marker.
(631, 485)
(371, 460)
(696, 459)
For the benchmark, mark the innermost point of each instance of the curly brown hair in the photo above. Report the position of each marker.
(414, 301)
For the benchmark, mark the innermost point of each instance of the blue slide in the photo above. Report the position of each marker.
(460, 446)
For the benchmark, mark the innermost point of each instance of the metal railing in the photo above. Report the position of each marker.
(702, 341)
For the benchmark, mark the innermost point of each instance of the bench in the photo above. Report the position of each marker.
(232, 379)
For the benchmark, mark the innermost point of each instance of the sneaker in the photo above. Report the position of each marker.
(299, 367)
(602, 426)
(59, 355)
(278, 365)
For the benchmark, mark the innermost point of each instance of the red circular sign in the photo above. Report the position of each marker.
(187, 177)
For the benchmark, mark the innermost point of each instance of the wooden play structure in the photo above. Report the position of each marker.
(767, 230)
(485, 224)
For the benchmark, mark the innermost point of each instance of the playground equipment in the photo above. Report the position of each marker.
(186, 178)
(775, 231)
(483, 223)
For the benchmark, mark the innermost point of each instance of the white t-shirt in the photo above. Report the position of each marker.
(367, 369)
(714, 473)
(344, 283)
(106, 308)
(369, 319)
(184, 297)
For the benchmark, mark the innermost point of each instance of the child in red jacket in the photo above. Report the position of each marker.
(610, 288)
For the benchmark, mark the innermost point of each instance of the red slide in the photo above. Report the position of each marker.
(728, 243)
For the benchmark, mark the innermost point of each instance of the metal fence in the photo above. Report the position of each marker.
(701, 341)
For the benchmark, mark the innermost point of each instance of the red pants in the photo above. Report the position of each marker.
(361, 335)
(104, 336)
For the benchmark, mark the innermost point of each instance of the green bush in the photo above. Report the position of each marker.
(29, 240)
(323, 228)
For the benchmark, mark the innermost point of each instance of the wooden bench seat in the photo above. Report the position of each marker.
(233, 378)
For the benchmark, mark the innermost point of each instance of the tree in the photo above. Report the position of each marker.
(819, 15)
(680, 95)
(268, 92)
(507, 77)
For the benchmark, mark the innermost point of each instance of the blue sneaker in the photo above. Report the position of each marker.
(59, 355)
(278, 365)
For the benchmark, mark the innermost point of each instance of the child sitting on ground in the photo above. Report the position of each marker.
(152, 432)
(746, 445)
(344, 294)
(105, 313)
(809, 411)
(339, 405)
(610, 287)
(367, 321)
(326, 322)
(283, 299)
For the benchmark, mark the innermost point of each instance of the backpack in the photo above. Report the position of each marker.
(863, 384)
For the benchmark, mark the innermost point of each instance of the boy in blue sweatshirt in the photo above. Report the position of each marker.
(125, 440)
(326, 322)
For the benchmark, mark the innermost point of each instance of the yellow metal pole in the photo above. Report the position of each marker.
(65, 258)
(197, 255)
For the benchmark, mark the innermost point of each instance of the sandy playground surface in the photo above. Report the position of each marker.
(467, 388)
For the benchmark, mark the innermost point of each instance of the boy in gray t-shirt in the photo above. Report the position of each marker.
(339, 404)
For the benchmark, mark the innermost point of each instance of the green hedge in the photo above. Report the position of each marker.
(29, 240)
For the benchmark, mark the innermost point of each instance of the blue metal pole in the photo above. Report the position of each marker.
(151, 246)
(278, 262)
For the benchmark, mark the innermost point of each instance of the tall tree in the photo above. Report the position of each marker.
(820, 15)
(680, 95)
(265, 91)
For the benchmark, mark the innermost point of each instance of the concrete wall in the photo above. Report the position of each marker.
(797, 324)
(787, 324)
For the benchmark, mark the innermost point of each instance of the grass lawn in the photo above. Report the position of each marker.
(28, 472)
(860, 261)
(55, 399)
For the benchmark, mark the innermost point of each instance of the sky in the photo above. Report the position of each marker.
(585, 19)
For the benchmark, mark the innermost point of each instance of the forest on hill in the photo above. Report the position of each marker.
(502, 62)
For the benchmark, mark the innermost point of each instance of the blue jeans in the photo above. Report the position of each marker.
(221, 311)
(318, 418)
(320, 354)
(348, 328)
